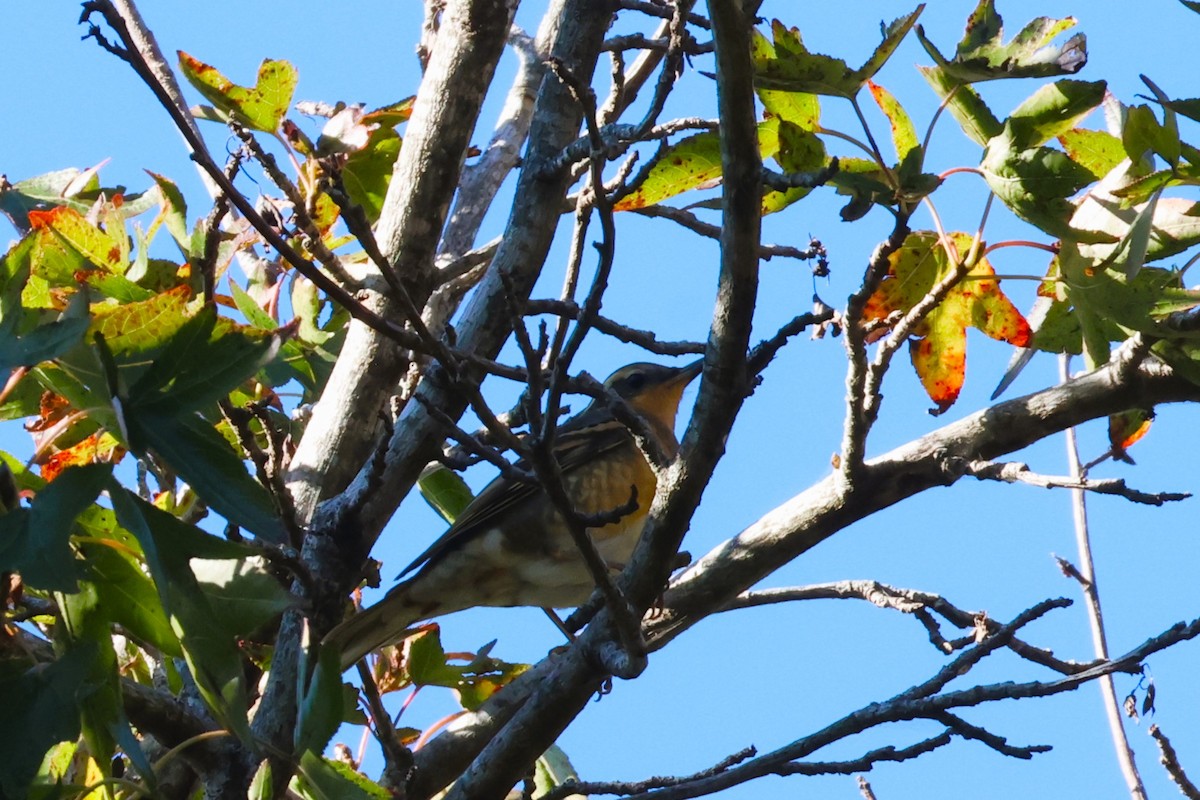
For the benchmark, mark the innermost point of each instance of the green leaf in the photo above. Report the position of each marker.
(242, 591)
(85, 626)
(368, 171)
(44, 192)
(799, 151)
(1175, 225)
(425, 661)
(690, 163)
(1142, 134)
(793, 69)
(904, 135)
(445, 491)
(128, 595)
(203, 458)
(41, 709)
(144, 324)
(36, 541)
(321, 700)
(46, 341)
(1036, 184)
(209, 645)
(552, 769)
(262, 786)
(323, 779)
(1098, 152)
(201, 364)
(106, 250)
(982, 55)
(965, 105)
(261, 107)
(799, 108)
(174, 210)
(1052, 110)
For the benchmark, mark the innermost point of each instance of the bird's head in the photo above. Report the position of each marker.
(653, 390)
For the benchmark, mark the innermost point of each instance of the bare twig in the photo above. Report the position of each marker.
(1017, 472)
(858, 371)
(693, 223)
(397, 758)
(645, 339)
(1091, 594)
(662, 12)
(1170, 762)
(572, 787)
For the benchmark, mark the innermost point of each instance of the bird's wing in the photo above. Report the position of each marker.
(576, 445)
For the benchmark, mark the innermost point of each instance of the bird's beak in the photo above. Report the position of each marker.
(690, 372)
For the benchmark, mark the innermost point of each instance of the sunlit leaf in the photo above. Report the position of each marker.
(794, 69)
(368, 171)
(261, 107)
(982, 55)
(99, 447)
(144, 324)
(174, 209)
(938, 348)
(102, 249)
(1126, 429)
(904, 135)
(325, 779)
(1098, 152)
(445, 491)
(1052, 110)
(201, 364)
(800, 151)
(692, 162)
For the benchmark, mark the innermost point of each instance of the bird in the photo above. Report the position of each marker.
(511, 547)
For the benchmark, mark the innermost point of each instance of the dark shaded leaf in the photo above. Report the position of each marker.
(203, 458)
(41, 708)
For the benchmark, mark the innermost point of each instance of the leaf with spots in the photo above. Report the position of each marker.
(101, 249)
(983, 56)
(790, 67)
(690, 164)
(261, 107)
(939, 344)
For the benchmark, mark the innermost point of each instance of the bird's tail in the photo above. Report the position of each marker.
(381, 624)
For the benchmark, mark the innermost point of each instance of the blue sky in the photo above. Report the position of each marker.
(761, 677)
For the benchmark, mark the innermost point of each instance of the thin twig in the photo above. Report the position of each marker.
(858, 404)
(646, 339)
(1170, 761)
(694, 224)
(1017, 472)
(1091, 594)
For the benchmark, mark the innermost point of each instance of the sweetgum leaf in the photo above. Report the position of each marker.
(983, 56)
(938, 348)
(792, 68)
(261, 107)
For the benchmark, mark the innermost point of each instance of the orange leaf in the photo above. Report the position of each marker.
(939, 347)
(1126, 429)
(100, 447)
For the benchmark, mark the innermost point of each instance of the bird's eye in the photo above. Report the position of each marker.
(636, 381)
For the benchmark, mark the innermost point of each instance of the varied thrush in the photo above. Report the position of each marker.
(511, 547)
